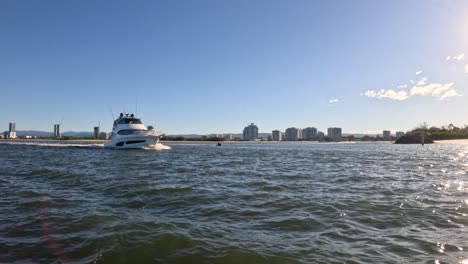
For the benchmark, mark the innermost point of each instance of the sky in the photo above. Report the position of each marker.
(214, 66)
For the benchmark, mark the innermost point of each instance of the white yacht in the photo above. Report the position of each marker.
(129, 132)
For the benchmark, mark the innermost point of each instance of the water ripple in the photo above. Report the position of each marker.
(253, 203)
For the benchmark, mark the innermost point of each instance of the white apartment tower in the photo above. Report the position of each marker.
(386, 135)
(12, 130)
(57, 130)
(309, 133)
(299, 134)
(250, 132)
(293, 134)
(334, 132)
(276, 135)
(320, 136)
(96, 132)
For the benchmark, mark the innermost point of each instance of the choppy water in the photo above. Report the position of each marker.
(239, 203)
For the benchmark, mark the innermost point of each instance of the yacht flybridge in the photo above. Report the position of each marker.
(129, 132)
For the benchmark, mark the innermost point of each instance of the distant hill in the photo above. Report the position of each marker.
(78, 134)
(35, 133)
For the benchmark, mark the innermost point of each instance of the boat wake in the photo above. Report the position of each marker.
(56, 144)
(157, 146)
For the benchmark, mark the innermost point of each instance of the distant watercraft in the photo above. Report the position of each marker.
(218, 144)
(129, 132)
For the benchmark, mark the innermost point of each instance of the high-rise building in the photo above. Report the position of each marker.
(12, 130)
(334, 133)
(292, 134)
(320, 136)
(96, 132)
(299, 133)
(57, 130)
(309, 133)
(250, 132)
(399, 134)
(386, 135)
(276, 135)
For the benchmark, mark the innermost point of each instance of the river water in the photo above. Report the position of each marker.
(239, 203)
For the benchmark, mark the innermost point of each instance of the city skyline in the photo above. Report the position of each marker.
(57, 128)
(250, 132)
(208, 67)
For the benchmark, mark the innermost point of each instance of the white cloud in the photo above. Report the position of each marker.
(411, 81)
(333, 101)
(403, 86)
(458, 57)
(440, 91)
(418, 72)
(437, 90)
(448, 94)
(390, 94)
(422, 81)
(466, 68)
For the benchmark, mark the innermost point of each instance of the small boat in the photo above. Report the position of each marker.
(129, 132)
(218, 144)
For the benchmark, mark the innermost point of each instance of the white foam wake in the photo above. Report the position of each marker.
(54, 144)
(159, 146)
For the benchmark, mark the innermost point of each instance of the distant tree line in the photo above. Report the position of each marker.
(440, 133)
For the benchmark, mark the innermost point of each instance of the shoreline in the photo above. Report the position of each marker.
(445, 141)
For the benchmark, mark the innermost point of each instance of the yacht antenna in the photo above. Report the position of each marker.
(136, 106)
(112, 113)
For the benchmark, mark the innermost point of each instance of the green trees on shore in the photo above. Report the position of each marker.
(445, 132)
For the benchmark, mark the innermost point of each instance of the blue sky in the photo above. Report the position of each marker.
(216, 66)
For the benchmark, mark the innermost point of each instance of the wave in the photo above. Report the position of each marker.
(158, 146)
(55, 144)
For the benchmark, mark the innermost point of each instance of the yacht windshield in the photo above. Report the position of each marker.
(129, 121)
(139, 132)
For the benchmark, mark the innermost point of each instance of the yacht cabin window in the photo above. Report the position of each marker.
(130, 121)
(140, 132)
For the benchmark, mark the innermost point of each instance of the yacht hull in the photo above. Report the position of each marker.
(132, 142)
